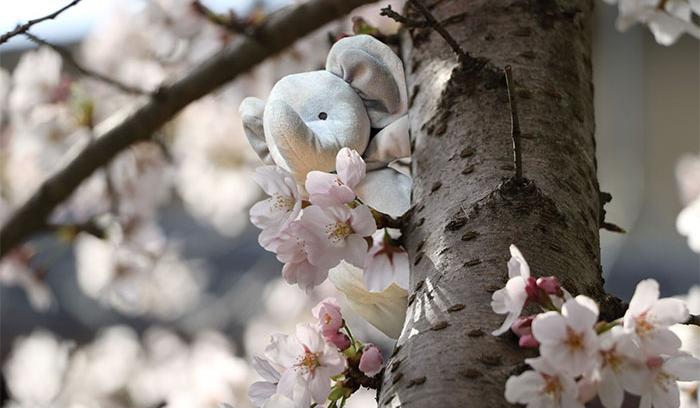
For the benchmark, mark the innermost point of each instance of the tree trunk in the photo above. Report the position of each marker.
(467, 209)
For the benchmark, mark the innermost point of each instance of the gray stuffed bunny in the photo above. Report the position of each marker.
(310, 116)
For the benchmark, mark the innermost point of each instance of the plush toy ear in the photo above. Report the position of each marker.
(375, 72)
(251, 111)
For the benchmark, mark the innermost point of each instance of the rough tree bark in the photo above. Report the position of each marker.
(466, 208)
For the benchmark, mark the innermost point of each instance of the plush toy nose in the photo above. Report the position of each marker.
(293, 145)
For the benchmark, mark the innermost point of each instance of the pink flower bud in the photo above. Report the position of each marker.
(330, 320)
(550, 285)
(533, 292)
(341, 341)
(528, 341)
(654, 362)
(371, 360)
(522, 326)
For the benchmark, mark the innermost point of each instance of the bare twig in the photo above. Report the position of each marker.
(68, 58)
(390, 13)
(278, 31)
(437, 26)
(514, 126)
(230, 21)
(22, 28)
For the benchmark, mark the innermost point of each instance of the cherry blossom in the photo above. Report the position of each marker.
(15, 270)
(137, 272)
(371, 361)
(688, 178)
(616, 370)
(649, 317)
(261, 391)
(667, 20)
(335, 189)
(690, 337)
(688, 224)
(340, 234)
(660, 388)
(273, 214)
(511, 299)
(214, 171)
(293, 249)
(330, 319)
(309, 363)
(36, 367)
(386, 262)
(522, 328)
(567, 339)
(340, 340)
(543, 387)
(36, 80)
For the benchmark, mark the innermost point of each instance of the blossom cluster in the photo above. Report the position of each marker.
(320, 362)
(312, 228)
(48, 114)
(667, 19)
(121, 369)
(582, 358)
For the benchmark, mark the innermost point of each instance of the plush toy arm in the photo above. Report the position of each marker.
(251, 111)
(389, 144)
(386, 190)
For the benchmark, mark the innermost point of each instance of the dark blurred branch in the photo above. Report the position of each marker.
(277, 32)
(22, 28)
(68, 58)
(71, 230)
(229, 21)
(408, 22)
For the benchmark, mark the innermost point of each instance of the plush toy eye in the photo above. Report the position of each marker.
(322, 115)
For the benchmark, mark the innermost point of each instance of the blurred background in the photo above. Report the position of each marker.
(228, 296)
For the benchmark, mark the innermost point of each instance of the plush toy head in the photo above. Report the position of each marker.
(310, 116)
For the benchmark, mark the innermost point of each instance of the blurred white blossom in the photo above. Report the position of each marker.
(35, 369)
(688, 178)
(137, 272)
(215, 165)
(667, 19)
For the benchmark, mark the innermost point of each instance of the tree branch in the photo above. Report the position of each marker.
(230, 21)
(437, 26)
(280, 30)
(68, 58)
(22, 28)
(390, 13)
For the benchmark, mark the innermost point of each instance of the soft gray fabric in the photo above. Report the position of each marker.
(375, 72)
(386, 190)
(298, 139)
(310, 116)
(389, 144)
(251, 111)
